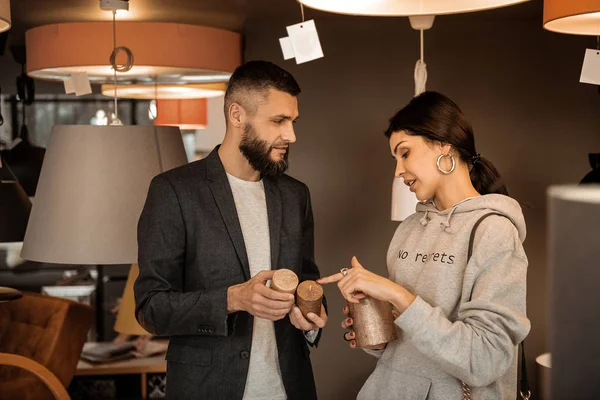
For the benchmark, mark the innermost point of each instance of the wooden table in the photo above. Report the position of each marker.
(133, 366)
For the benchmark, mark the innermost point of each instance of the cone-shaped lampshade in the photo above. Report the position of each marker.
(403, 200)
(4, 15)
(91, 191)
(406, 7)
(14, 207)
(126, 322)
(577, 17)
(186, 114)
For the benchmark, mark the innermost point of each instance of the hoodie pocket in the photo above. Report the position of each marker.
(388, 384)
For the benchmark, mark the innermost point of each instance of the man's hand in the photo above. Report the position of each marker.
(313, 322)
(257, 299)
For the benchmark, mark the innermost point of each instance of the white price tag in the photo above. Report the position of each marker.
(590, 72)
(79, 84)
(305, 41)
(286, 48)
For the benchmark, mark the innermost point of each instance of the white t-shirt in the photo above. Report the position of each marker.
(264, 375)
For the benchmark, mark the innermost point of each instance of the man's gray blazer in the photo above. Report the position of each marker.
(191, 249)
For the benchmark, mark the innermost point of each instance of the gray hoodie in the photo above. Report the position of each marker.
(467, 319)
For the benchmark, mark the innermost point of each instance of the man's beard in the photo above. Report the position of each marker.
(258, 154)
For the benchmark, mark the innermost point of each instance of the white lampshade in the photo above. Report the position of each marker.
(4, 15)
(406, 7)
(573, 265)
(91, 191)
(404, 201)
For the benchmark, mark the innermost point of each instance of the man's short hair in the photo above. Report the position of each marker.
(256, 78)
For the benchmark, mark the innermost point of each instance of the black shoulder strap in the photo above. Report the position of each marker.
(525, 391)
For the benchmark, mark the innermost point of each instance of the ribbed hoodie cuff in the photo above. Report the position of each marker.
(414, 317)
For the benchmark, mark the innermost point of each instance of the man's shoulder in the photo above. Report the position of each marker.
(185, 174)
(286, 182)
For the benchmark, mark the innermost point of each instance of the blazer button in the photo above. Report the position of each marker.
(244, 355)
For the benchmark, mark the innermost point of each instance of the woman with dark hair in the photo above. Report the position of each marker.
(457, 268)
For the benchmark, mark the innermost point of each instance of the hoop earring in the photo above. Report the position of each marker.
(440, 159)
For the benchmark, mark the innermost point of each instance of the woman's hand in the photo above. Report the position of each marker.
(351, 336)
(358, 282)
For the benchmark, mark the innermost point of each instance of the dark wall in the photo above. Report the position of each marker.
(516, 82)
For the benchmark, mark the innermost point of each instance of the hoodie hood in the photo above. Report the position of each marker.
(504, 205)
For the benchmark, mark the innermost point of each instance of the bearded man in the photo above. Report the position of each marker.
(211, 235)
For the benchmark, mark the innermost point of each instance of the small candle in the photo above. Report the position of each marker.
(309, 297)
(373, 322)
(284, 281)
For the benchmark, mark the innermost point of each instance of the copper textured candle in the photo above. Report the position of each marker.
(309, 297)
(285, 281)
(373, 322)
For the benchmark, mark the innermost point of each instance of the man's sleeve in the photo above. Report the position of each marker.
(162, 307)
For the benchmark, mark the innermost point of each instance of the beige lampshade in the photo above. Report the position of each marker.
(126, 322)
(577, 17)
(406, 7)
(166, 91)
(5, 20)
(186, 114)
(177, 53)
(92, 188)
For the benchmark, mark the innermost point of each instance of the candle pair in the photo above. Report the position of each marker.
(309, 294)
(373, 319)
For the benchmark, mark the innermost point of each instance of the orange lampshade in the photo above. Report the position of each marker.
(177, 53)
(186, 114)
(576, 17)
(126, 322)
(4, 15)
(166, 91)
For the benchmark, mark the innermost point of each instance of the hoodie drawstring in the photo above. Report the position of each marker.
(446, 224)
(425, 218)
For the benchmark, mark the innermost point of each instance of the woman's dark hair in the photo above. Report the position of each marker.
(436, 118)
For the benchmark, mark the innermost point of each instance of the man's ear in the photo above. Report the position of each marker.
(236, 115)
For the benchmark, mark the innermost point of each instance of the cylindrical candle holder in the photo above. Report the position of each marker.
(284, 281)
(373, 322)
(309, 296)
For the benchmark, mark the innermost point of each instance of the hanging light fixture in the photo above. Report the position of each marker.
(186, 114)
(5, 15)
(167, 91)
(576, 17)
(406, 7)
(177, 53)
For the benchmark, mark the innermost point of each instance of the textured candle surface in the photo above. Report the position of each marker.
(285, 281)
(373, 322)
(309, 297)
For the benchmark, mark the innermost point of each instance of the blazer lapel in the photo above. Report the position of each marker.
(223, 196)
(274, 212)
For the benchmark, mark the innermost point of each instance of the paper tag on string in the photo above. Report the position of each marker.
(305, 41)
(78, 83)
(286, 48)
(590, 72)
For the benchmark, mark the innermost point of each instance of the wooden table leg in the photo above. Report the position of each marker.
(144, 386)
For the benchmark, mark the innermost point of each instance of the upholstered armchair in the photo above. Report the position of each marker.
(41, 338)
